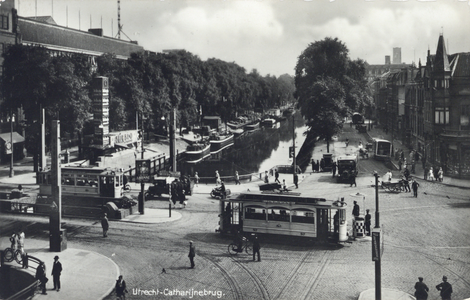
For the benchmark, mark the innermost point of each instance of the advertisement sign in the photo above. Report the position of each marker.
(142, 170)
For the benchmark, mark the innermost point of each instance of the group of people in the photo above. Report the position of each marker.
(56, 272)
(434, 174)
(178, 193)
(422, 290)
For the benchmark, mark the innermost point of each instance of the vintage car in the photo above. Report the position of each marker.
(346, 165)
(326, 163)
(161, 185)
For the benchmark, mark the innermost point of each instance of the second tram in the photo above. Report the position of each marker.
(284, 214)
(382, 149)
(357, 118)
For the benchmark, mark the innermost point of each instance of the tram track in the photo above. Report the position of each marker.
(258, 283)
(232, 282)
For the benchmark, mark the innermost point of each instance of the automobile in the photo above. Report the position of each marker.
(326, 163)
(161, 185)
(346, 166)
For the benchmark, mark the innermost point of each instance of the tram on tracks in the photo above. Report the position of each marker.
(286, 214)
(357, 118)
(88, 186)
(382, 149)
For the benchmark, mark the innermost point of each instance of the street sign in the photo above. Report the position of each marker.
(376, 244)
(142, 170)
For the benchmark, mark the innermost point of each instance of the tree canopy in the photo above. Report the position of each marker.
(329, 86)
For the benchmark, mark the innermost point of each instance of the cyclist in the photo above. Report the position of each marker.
(238, 241)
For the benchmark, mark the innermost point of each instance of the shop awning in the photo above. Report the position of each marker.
(17, 138)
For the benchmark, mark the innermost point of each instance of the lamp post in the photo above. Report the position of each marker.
(376, 242)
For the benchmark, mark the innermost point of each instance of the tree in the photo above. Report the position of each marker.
(328, 86)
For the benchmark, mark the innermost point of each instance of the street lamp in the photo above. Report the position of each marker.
(376, 243)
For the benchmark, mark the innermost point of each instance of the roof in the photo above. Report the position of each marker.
(44, 19)
(460, 65)
(17, 138)
(441, 61)
(71, 40)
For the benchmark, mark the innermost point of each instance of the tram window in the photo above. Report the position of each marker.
(303, 217)
(68, 179)
(255, 213)
(81, 180)
(279, 215)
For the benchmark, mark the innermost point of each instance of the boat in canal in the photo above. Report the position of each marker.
(269, 123)
(197, 151)
(219, 142)
(252, 126)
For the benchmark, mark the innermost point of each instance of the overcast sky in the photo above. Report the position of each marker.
(269, 35)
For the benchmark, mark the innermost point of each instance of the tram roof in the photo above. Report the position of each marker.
(86, 169)
(381, 140)
(273, 197)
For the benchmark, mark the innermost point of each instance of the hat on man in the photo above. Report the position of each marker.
(444, 277)
(420, 278)
(56, 257)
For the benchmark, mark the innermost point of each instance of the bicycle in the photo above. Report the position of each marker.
(9, 255)
(246, 245)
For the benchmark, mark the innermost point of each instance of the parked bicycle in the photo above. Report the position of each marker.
(10, 254)
(247, 245)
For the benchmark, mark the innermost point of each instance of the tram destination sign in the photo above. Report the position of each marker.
(142, 171)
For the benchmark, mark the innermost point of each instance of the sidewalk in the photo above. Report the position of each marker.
(419, 174)
(80, 278)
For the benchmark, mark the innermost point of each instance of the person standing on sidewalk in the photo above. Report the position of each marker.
(445, 288)
(41, 276)
(192, 254)
(237, 178)
(367, 222)
(196, 179)
(105, 225)
(56, 271)
(422, 290)
(415, 186)
(440, 175)
(256, 248)
(217, 178)
(296, 180)
(431, 174)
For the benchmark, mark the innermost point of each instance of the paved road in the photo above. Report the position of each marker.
(426, 236)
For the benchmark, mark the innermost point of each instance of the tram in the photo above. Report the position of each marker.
(83, 186)
(382, 149)
(357, 118)
(286, 214)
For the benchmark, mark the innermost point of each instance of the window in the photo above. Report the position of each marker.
(303, 217)
(441, 115)
(465, 117)
(4, 22)
(255, 213)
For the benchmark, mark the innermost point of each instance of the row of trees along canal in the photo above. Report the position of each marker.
(145, 84)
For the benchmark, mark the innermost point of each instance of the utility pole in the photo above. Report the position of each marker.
(12, 171)
(376, 243)
(293, 145)
(142, 183)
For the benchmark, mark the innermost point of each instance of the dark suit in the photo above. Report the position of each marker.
(192, 254)
(56, 270)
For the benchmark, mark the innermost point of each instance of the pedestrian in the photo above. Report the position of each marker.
(333, 168)
(356, 210)
(367, 222)
(284, 186)
(266, 177)
(223, 190)
(41, 276)
(415, 186)
(21, 239)
(217, 178)
(121, 289)
(192, 254)
(445, 288)
(105, 224)
(313, 165)
(317, 166)
(336, 224)
(196, 179)
(56, 271)
(322, 164)
(388, 176)
(440, 175)
(14, 241)
(237, 178)
(431, 174)
(256, 248)
(352, 179)
(276, 176)
(347, 142)
(296, 180)
(422, 290)
(436, 172)
(406, 184)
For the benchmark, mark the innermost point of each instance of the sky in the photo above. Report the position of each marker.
(270, 35)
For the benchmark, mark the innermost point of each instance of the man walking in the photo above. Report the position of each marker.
(56, 270)
(352, 179)
(415, 186)
(422, 290)
(192, 253)
(445, 288)
(105, 225)
(256, 248)
(276, 176)
(333, 168)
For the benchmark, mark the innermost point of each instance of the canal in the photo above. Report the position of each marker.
(254, 152)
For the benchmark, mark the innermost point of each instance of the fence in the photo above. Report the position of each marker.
(29, 291)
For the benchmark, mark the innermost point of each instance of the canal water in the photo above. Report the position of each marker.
(254, 152)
